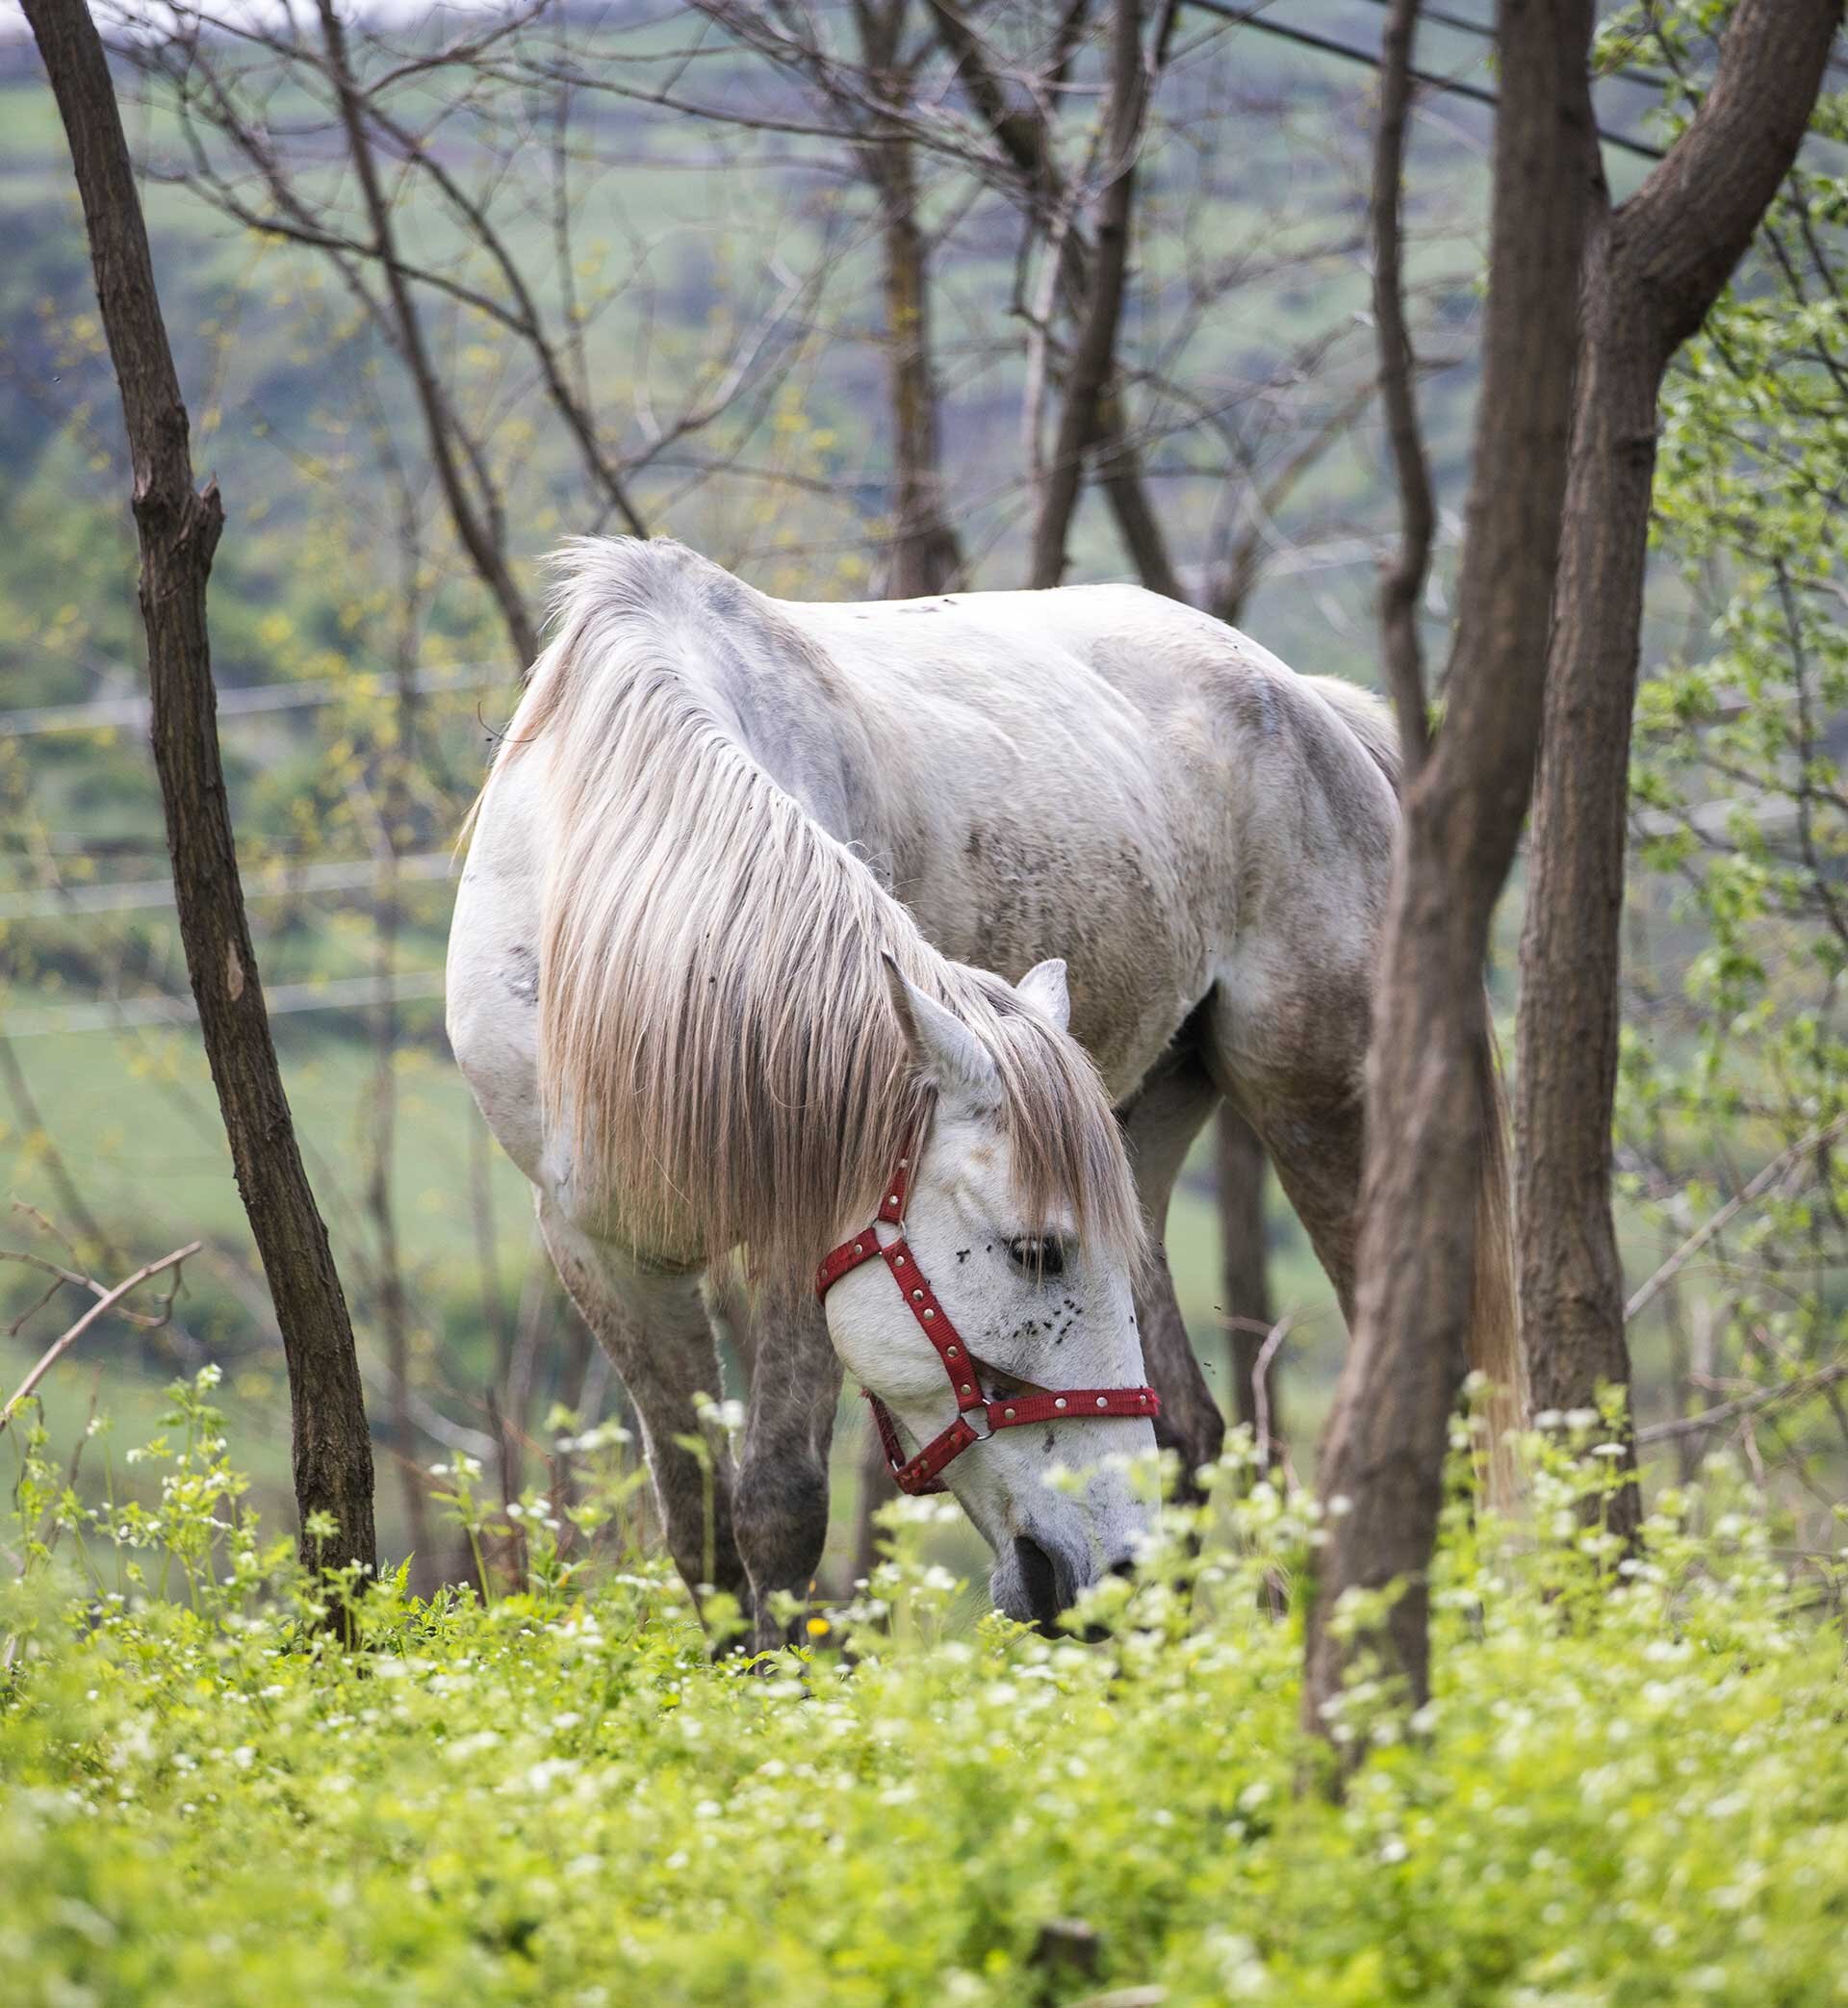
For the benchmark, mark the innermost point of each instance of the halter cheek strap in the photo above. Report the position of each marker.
(923, 1472)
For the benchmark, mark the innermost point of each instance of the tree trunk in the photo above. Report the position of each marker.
(1654, 268)
(1023, 139)
(179, 529)
(1093, 354)
(1119, 469)
(1245, 1278)
(1571, 1274)
(926, 556)
(1403, 581)
(1427, 1063)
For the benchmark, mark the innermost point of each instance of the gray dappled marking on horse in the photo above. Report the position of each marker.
(714, 818)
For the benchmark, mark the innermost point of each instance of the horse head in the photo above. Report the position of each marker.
(995, 1325)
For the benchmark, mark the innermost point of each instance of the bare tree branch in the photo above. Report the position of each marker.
(107, 1301)
(926, 553)
(485, 553)
(1403, 580)
(1796, 1390)
(1026, 145)
(1721, 1220)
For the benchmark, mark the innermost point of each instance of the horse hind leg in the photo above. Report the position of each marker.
(1159, 1124)
(1302, 1091)
(656, 1333)
(1310, 1117)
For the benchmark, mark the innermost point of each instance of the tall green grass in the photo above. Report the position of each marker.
(1629, 1788)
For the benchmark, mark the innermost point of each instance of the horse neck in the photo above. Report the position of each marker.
(791, 712)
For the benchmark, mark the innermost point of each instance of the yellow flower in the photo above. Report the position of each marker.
(818, 1627)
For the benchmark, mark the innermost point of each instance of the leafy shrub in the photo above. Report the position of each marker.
(1630, 1788)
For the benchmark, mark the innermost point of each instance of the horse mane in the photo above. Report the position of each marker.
(717, 1041)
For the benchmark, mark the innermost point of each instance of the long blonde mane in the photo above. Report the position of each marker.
(717, 1042)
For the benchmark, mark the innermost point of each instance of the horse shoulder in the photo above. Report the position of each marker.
(491, 985)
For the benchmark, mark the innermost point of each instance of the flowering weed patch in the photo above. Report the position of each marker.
(1631, 1789)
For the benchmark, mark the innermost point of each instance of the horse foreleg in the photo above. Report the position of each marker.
(783, 1488)
(1160, 1124)
(656, 1333)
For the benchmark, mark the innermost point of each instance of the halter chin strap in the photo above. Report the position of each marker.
(921, 1472)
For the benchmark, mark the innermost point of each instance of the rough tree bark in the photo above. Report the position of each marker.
(1383, 1454)
(179, 526)
(1653, 267)
(1403, 578)
(926, 556)
(1093, 354)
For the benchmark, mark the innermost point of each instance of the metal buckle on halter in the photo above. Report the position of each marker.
(982, 1434)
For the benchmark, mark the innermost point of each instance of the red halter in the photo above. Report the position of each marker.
(1010, 1412)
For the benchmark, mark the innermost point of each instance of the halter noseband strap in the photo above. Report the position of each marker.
(921, 1472)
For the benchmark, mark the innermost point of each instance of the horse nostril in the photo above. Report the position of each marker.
(1123, 1565)
(1040, 1579)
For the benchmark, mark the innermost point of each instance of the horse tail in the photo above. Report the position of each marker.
(1493, 1340)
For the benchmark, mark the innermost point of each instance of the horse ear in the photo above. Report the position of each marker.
(944, 1048)
(1045, 987)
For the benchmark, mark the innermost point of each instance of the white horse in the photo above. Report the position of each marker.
(720, 959)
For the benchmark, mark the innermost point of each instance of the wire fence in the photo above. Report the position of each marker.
(132, 713)
(125, 1014)
(280, 880)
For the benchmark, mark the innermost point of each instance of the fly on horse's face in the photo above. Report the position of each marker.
(1038, 1326)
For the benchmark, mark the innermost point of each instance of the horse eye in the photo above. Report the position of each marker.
(1038, 1257)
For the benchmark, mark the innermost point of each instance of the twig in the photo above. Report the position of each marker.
(62, 1345)
(1261, 1383)
(1698, 1240)
(1746, 1404)
(1455, 86)
(60, 1277)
